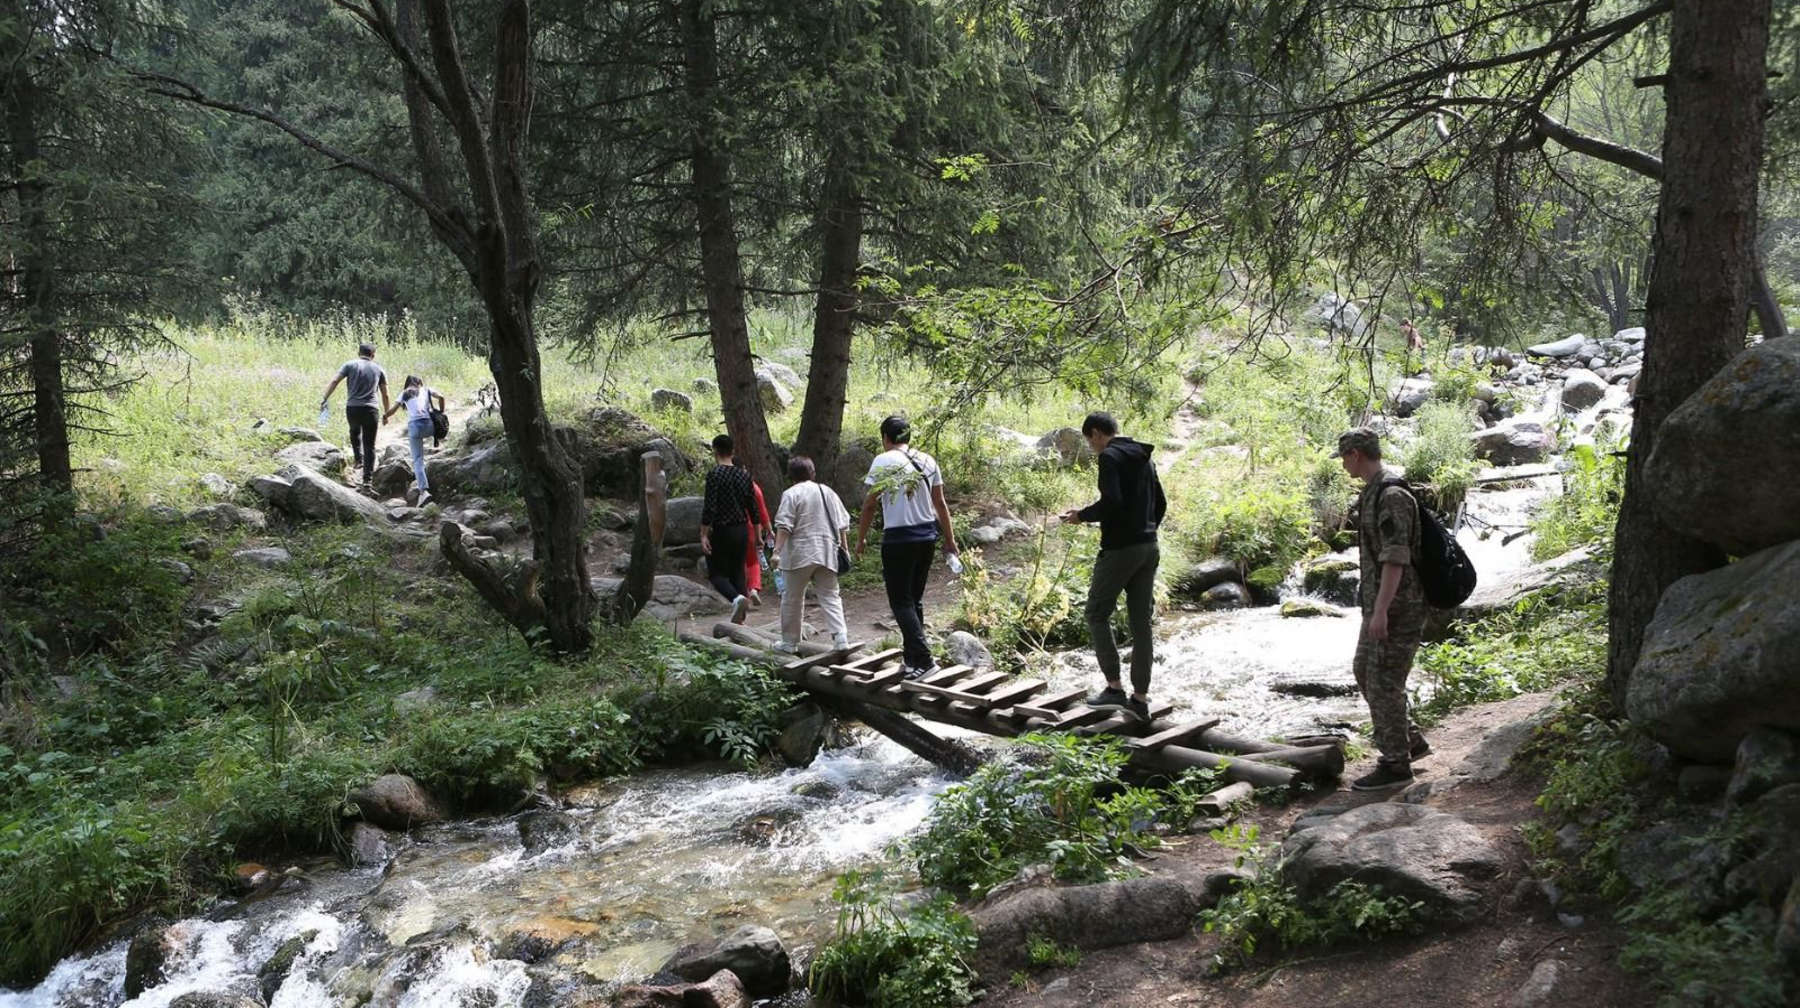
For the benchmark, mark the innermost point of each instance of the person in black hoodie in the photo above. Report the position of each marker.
(1130, 508)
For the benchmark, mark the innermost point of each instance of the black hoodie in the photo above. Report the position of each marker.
(1131, 503)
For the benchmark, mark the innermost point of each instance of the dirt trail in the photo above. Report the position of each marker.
(1483, 964)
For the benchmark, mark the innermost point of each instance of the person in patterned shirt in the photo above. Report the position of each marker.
(725, 526)
(1393, 607)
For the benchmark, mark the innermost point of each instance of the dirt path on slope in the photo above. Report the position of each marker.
(1480, 965)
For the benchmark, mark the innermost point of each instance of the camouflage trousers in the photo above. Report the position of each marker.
(1381, 668)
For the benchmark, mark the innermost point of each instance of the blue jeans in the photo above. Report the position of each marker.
(416, 432)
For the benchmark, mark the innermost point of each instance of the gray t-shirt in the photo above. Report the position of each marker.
(362, 379)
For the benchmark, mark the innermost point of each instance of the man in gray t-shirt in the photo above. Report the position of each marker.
(365, 377)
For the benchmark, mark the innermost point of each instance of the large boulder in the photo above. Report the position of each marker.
(1198, 577)
(673, 597)
(1155, 907)
(1514, 442)
(315, 455)
(1582, 388)
(780, 372)
(1409, 396)
(754, 954)
(1568, 346)
(721, 990)
(1410, 851)
(1334, 578)
(396, 802)
(776, 395)
(1336, 315)
(478, 468)
(312, 497)
(1067, 445)
(152, 953)
(852, 467)
(964, 648)
(265, 556)
(671, 400)
(223, 517)
(1721, 657)
(681, 521)
(608, 444)
(1727, 459)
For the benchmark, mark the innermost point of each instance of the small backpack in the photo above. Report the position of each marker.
(1445, 571)
(440, 424)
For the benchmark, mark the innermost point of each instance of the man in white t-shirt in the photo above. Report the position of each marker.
(910, 488)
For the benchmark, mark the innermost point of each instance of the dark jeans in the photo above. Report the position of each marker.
(1132, 570)
(904, 568)
(364, 422)
(725, 564)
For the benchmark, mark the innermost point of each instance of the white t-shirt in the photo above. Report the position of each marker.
(905, 478)
(418, 407)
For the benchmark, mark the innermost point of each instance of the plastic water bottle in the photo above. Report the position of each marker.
(955, 563)
(780, 582)
(324, 415)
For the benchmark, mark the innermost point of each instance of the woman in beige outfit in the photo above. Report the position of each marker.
(810, 528)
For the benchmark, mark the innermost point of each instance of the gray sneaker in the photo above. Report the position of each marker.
(1139, 709)
(1109, 699)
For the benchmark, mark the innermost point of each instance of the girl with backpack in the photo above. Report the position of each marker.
(418, 402)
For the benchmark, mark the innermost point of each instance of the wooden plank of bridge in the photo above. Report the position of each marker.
(1048, 708)
(866, 665)
(947, 675)
(997, 699)
(1076, 718)
(969, 691)
(1122, 720)
(1178, 735)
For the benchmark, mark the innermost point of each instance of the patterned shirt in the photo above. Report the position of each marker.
(729, 499)
(1387, 531)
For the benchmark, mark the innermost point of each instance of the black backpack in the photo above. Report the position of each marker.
(1445, 572)
(440, 425)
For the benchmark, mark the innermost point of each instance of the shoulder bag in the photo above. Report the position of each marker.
(843, 555)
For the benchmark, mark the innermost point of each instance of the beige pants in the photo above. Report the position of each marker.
(793, 601)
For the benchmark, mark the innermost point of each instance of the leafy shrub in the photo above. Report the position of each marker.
(1588, 508)
(73, 865)
(1063, 805)
(884, 959)
(505, 752)
(1440, 455)
(1039, 608)
(1265, 910)
(78, 593)
(1548, 637)
(1600, 779)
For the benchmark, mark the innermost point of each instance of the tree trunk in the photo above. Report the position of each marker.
(37, 279)
(840, 228)
(721, 267)
(639, 583)
(1704, 261)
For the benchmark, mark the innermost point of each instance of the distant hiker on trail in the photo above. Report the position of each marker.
(365, 377)
(1393, 608)
(761, 532)
(417, 399)
(1415, 347)
(811, 528)
(910, 487)
(725, 526)
(1130, 508)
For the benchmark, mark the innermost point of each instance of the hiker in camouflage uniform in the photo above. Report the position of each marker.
(1393, 608)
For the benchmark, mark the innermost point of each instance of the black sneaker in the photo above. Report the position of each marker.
(911, 674)
(1109, 699)
(1420, 747)
(1139, 709)
(1384, 777)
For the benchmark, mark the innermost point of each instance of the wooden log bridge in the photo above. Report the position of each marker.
(996, 703)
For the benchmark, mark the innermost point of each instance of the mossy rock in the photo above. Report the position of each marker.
(1302, 608)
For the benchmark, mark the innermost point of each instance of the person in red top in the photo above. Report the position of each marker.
(762, 534)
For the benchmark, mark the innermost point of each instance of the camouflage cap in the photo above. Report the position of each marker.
(1360, 439)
